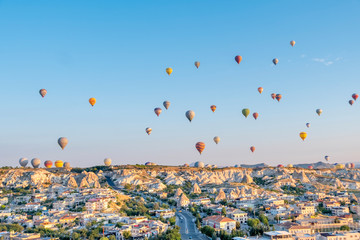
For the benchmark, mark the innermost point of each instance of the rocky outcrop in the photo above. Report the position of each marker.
(196, 189)
(220, 196)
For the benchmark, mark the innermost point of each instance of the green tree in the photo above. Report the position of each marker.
(127, 234)
(345, 228)
(264, 219)
(238, 225)
(172, 221)
(208, 231)
(223, 211)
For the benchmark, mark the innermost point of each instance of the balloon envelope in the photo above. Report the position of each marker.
(66, 165)
(92, 101)
(275, 61)
(23, 162)
(148, 130)
(197, 64)
(35, 162)
(318, 111)
(169, 71)
(278, 97)
(43, 92)
(59, 164)
(255, 115)
(355, 96)
(307, 125)
(252, 148)
(107, 161)
(273, 95)
(260, 89)
(303, 135)
(63, 141)
(166, 104)
(246, 112)
(157, 111)
(238, 59)
(48, 164)
(216, 139)
(292, 43)
(213, 108)
(351, 102)
(327, 158)
(190, 115)
(200, 146)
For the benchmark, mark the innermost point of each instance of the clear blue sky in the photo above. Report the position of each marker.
(117, 52)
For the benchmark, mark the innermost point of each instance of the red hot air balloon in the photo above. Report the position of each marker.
(238, 59)
(355, 96)
(200, 146)
(213, 108)
(273, 95)
(280, 166)
(252, 148)
(351, 102)
(310, 167)
(157, 111)
(255, 115)
(352, 165)
(278, 97)
(48, 164)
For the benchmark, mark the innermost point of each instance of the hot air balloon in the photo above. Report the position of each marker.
(275, 61)
(355, 96)
(148, 130)
(43, 92)
(273, 95)
(246, 112)
(63, 141)
(213, 108)
(107, 161)
(327, 158)
(255, 115)
(307, 125)
(169, 71)
(310, 167)
(66, 165)
(290, 166)
(200, 146)
(238, 59)
(352, 165)
(157, 111)
(252, 148)
(318, 111)
(199, 164)
(190, 115)
(216, 139)
(35, 162)
(197, 64)
(92, 101)
(59, 164)
(186, 165)
(351, 102)
(280, 166)
(260, 89)
(23, 162)
(303, 135)
(166, 104)
(278, 97)
(48, 164)
(292, 43)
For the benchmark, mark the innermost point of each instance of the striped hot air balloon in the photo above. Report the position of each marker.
(23, 162)
(200, 146)
(43, 92)
(35, 162)
(273, 95)
(48, 164)
(213, 108)
(278, 97)
(59, 163)
(157, 111)
(148, 130)
(166, 104)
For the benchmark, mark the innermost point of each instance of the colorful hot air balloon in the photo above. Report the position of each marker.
(35, 162)
(216, 139)
(107, 161)
(23, 162)
(48, 164)
(292, 43)
(351, 102)
(307, 125)
(63, 141)
(352, 165)
(303, 135)
(200, 146)
(197, 64)
(92, 101)
(66, 165)
(290, 165)
(190, 115)
(255, 115)
(260, 90)
(157, 111)
(275, 61)
(318, 111)
(355, 96)
(280, 166)
(246, 112)
(252, 148)
(273, 95)
(213, 108)
(238, 59)
(43, 92)
(166, 104)
(327, 158)
(310, 167)
(278, 97)
(169, 71)
(59, 163)
(148, 130)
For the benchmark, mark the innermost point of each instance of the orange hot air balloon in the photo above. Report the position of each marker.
(303, 135)
(169, 71)
(273, 95)
(48, 164)
(59, 164)
(148, 130)
(238, 59)
(252, 148)
(200, 146)
(351, 102)
(355, 96)
(157, 111)
(197, 64)
(278, 97)
(310, 167)
(292, 43)
(92, 101)
(43, 92)
(213, 108)
(255, 115)
(275, 61)
(260, 89)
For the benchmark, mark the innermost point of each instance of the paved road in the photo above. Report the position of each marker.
(185, 221)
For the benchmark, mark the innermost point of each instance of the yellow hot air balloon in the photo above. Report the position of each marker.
(169, 71)
(59, 164)
(92, 101)
(303, 135)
